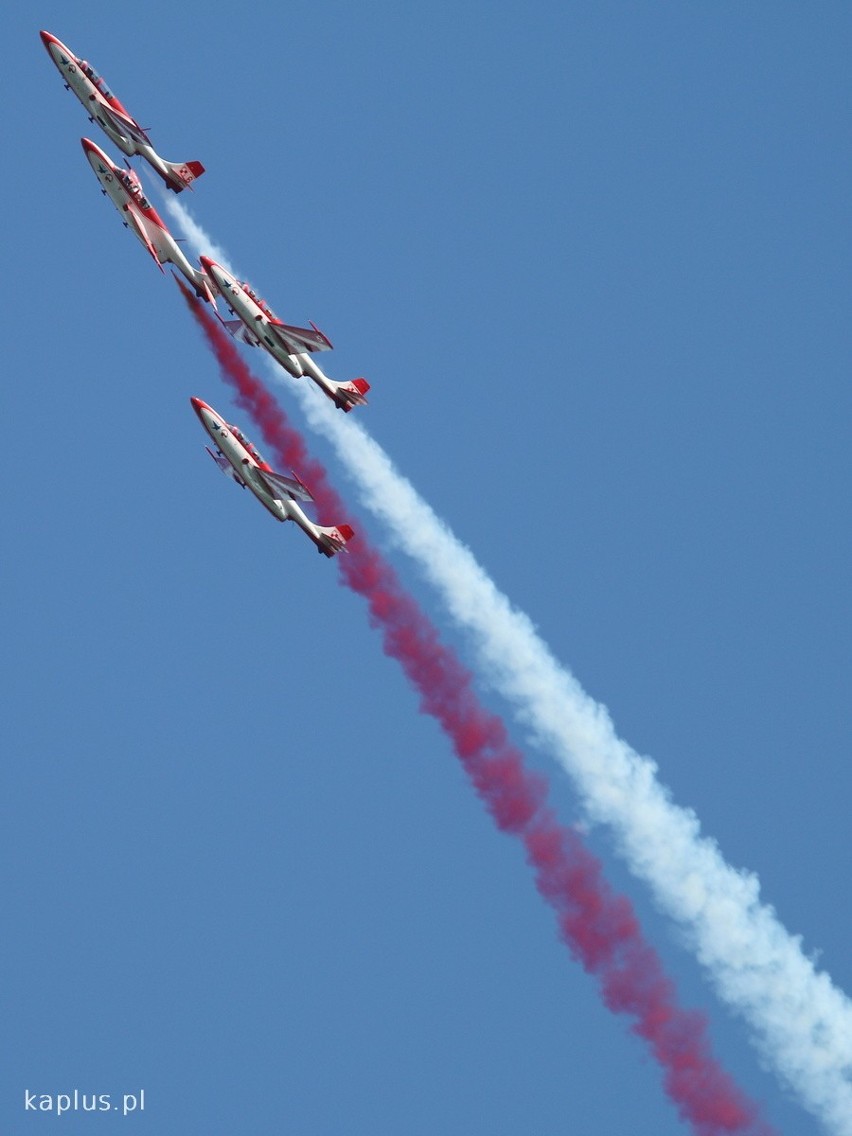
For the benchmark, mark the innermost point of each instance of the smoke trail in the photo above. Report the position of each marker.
(799, 1021)
(194, 233)
(598, 926)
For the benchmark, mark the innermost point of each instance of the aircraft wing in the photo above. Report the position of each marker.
(239, 331)
(225, 466)
(277, 482)
(124, 125)
(299, 339)
(220, 460)
(139, 228)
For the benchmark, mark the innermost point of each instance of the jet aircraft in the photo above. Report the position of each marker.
(237, 458)
(104, 108)
(258, 326)
(125, 191)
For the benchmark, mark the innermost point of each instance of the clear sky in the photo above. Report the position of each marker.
(594, 260)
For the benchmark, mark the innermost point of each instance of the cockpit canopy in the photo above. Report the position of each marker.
(262, 304)
(246, 444)
(132, 183)
(92, 74)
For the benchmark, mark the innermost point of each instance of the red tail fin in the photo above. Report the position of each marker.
(351, 394)
(333, 539)
(183, 174)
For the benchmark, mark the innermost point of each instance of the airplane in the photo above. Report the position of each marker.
(124, 189)
(258, 326)
(104, 108)
(237, 458)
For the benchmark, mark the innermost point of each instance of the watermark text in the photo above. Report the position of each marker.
(58, 1104)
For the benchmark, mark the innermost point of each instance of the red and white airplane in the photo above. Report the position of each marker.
(125, 191)
(104, 108)
(258, 326)
(237, 458)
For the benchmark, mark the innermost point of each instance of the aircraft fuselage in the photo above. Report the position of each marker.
(247, 470)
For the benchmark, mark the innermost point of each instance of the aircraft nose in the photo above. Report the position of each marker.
(55, 49)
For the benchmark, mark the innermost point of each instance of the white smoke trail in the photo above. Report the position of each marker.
(195, 234)
(800, 1022)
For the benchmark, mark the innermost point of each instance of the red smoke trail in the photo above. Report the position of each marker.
(599, 926)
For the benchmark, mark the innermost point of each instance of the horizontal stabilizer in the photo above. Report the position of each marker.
(333, 540)
(347, 395)
(202, 287)
(183, 174)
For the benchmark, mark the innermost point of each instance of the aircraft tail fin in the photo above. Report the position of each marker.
(351, 394)
(182, 174)
(333, 540)
(202, 287)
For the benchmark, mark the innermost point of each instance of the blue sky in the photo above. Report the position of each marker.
(593, 259)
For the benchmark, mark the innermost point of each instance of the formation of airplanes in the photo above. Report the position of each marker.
(255, 323)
